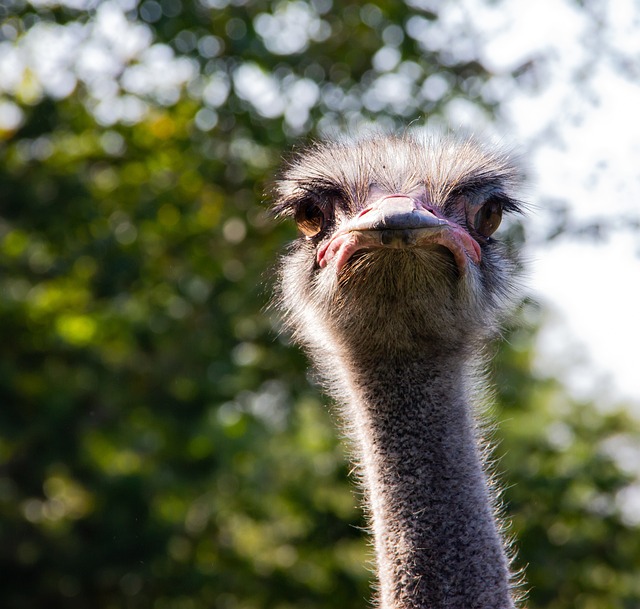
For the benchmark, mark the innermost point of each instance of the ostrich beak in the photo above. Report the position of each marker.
(398, 221)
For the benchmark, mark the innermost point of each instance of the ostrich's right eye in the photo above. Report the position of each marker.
(488, 218)
(310, 219)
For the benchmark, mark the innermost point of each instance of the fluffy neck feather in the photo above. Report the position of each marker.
(436, 541)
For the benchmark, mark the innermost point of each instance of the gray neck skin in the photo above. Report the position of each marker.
(435, 535)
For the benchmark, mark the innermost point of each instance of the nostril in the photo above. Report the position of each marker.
(431, 209)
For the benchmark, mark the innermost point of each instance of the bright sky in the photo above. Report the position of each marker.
(586, 99)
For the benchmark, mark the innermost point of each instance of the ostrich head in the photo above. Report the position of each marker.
(396, 246)
(394, 284)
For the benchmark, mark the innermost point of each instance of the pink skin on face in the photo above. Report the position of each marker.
(396, 212)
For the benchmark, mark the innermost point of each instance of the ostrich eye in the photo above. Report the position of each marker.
(310, 219)
(488, 217)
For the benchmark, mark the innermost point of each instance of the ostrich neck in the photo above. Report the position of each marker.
(436, 540)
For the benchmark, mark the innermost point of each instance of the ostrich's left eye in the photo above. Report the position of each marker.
(310, 219)
(488, 217)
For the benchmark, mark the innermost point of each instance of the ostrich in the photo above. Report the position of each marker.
(394, 287)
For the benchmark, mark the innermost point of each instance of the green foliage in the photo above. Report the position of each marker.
(161, 446)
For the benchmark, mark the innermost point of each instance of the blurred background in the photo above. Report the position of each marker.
(160, 443)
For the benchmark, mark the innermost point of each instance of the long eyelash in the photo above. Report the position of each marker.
(510, 205)
(285, 207)
(317, 192)
(321, 191)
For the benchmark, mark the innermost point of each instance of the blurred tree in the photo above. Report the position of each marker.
(159, 445)
(572, 484)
